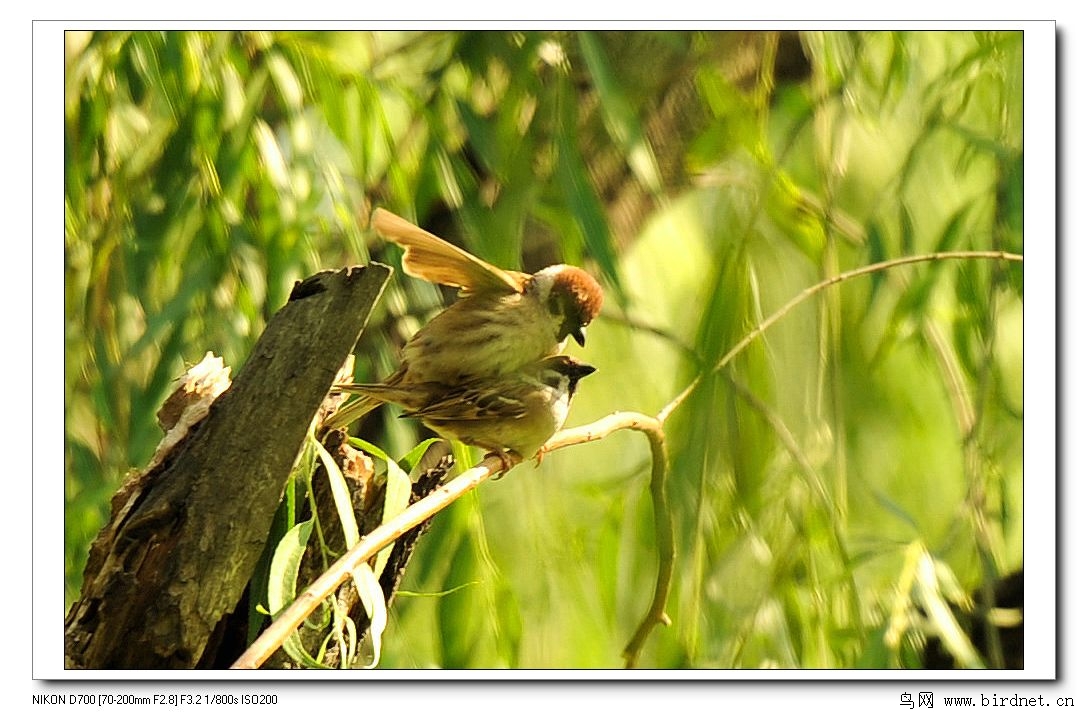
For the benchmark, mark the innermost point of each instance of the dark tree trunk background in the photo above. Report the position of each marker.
(186, 534)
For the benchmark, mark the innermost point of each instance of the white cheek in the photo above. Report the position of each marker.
(545, 280)
(560, 409)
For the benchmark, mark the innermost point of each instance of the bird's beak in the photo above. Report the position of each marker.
(579, 335)
(584, 370)
(576, 372)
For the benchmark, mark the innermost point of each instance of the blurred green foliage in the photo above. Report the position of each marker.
(860, 462)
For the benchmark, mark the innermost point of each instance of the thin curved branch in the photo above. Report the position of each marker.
(666, 549)
(324, 586)
(805, 294)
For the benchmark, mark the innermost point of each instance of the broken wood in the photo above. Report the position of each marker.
(186, 532)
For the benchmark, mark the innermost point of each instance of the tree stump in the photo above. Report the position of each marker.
(186, 533)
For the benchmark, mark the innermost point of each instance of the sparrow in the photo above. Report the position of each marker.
(502, 321)
(518, 412)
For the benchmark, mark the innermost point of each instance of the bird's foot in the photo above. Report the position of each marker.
(507, 459)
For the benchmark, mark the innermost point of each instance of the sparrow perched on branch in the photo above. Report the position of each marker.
(519, 411)
(502, 321)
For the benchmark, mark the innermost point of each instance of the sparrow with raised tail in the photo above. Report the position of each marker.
(518, 412)
(502, 321)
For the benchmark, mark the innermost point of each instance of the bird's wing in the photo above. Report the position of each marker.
(478, 405)
(403, 394)
(431, 258)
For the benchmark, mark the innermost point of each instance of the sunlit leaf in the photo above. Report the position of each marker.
(341, 495)
(952, 636)
(373, 600)
(283, 577)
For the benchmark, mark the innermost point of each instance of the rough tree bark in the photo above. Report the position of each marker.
(186, 533)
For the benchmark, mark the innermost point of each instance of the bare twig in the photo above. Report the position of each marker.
(666, 411)
(325, 585)
(288, 621)
(666, 549)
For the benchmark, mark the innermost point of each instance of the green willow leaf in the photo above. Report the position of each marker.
(282, 585)
(373, 599)
(340, 494)
(398, 492)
